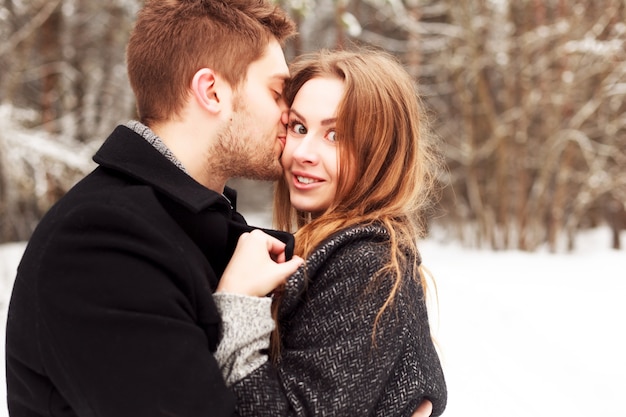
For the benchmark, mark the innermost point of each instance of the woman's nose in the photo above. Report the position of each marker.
(305, 152)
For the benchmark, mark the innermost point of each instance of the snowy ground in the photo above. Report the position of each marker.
(532, 334)
(520, 334)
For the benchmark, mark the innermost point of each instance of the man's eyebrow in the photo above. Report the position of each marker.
(280, 77)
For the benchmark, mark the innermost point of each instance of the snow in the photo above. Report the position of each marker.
(520, 334)
(532, 334)
(36, 145)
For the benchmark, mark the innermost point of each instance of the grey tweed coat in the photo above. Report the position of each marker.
(330, 364)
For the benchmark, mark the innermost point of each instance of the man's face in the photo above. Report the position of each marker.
(252, 142)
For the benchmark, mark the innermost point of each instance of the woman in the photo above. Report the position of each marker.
(352, 335)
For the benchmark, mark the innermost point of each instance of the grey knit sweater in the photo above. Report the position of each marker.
(330, 365)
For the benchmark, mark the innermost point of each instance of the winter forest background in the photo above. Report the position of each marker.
(526, 98)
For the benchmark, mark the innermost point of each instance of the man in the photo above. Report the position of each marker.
(112, 311)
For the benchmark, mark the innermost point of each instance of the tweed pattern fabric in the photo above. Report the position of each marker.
(331, 363)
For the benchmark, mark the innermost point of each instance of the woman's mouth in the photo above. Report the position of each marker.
(305, 180)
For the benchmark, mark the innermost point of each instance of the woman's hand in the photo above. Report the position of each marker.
(424, 410)
(258, 266)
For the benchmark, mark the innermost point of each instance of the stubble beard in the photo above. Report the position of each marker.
(238, 155)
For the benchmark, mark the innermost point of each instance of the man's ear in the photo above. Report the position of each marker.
(204, 90)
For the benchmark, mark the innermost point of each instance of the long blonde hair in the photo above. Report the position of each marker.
(388, 164)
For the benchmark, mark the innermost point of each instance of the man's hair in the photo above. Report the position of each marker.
(173, 39)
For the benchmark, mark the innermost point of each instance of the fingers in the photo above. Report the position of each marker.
(425, 409)
(275, 247)
(291, 266)
(276, 275)
(258, 265)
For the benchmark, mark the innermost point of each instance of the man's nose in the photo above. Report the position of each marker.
(282, 104)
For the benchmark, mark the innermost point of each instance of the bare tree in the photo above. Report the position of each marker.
(530, 99)
(65, 87)
(527, 97)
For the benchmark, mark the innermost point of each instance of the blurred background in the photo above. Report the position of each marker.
(526, 98)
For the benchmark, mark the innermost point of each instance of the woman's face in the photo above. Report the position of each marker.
(310, 157)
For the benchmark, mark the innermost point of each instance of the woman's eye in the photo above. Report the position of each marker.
(298, 128)
(332, 136)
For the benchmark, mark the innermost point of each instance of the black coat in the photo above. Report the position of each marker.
(111, 312)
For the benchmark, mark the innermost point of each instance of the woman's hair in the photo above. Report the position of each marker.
(173, 39)
(388, 166)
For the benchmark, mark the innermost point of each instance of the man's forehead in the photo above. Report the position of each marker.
(281, 77)
(271, 66)
(274, 58)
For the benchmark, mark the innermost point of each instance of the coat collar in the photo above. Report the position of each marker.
(127, 152)
(325, 256)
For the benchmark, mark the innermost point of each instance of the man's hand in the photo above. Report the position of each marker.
(424, 410)
(258, 265)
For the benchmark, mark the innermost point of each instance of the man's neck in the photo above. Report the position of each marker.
(191, 149)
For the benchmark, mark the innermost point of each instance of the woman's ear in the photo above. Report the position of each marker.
(204, 90)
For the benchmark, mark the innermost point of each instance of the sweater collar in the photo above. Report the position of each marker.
(154, 140)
